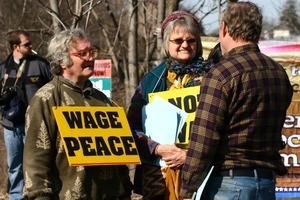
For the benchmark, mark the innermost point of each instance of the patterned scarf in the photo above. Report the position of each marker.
(183, 75)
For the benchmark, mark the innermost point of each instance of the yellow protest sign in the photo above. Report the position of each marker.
(186, 99)
(96, 135)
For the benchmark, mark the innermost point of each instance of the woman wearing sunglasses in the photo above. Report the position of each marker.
(183, 67)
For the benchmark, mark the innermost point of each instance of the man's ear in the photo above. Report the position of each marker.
(224, 29)
(63, 66)
(14, 47)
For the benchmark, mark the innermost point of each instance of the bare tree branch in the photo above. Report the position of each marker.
(49, 11)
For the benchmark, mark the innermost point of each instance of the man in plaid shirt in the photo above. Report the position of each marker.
(241, 111)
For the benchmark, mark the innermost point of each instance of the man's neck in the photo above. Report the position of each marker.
(17, 57)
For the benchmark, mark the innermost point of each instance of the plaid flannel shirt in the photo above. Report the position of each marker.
(238, 123)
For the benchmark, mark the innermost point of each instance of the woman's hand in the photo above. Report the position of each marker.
(173, 156)
(198, 80)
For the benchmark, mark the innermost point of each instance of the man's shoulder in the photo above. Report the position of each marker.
(37, 58)
(2, 63)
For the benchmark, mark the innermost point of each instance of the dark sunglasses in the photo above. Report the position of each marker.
(179, 41)
(26, 45)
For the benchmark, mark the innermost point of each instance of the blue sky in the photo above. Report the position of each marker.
(270, 9)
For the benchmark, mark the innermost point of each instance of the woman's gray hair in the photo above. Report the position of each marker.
(188, 24)
(59, 46)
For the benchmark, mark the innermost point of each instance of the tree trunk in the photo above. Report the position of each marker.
(160, 19)
(131, 80)
(171, 5)
(56, 25)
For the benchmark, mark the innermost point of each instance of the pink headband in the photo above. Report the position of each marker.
(173, 16)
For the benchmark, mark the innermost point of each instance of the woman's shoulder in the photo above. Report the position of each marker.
(160, 67)
(156, 72)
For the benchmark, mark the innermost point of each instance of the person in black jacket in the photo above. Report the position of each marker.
(22, 74)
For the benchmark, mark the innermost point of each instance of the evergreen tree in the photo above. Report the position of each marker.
(289, 17)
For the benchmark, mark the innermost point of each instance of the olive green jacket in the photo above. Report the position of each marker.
(46, 169)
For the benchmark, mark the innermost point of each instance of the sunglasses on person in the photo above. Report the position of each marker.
(26, 45)
(179, 41)
(86, 55)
